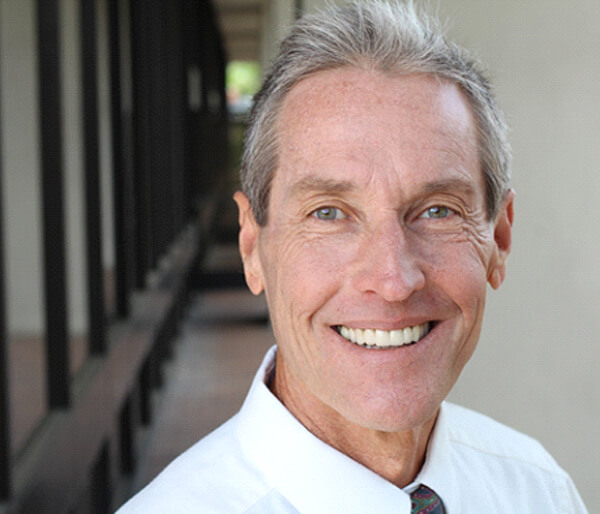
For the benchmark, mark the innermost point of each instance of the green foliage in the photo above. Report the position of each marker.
(243, 77)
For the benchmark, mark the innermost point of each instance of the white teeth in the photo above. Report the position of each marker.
(359, 336)
(397, 337)
(384, 338)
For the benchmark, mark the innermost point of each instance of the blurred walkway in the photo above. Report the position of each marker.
(220, 346)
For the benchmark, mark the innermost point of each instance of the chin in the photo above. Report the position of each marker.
(392, 416)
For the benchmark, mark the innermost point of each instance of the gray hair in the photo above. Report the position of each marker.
(391, 37)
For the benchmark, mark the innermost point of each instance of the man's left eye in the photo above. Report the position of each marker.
(329, 213)
(437, 212)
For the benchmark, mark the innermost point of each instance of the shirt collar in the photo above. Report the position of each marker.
(438, 473)
(316, 477)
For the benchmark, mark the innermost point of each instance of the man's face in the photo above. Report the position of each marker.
(376, 235)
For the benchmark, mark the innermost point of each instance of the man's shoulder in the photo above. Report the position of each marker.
(477, 432)
(515, 468)
(203, 477)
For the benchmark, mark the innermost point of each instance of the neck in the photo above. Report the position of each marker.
(396, 456)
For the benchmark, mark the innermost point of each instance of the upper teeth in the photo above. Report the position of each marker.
(384, 338)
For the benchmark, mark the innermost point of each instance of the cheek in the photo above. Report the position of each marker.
(463, 258)
(464, 281)
(301, 273)
(459, 270)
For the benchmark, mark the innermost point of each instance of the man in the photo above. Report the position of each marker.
(375, 211)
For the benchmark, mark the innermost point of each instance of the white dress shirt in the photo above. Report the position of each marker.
(264, 461)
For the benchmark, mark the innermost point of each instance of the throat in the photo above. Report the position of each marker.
(395, 456)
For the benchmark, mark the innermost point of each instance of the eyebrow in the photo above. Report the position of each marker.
(324, 185)
(451, 184)
(313, 183)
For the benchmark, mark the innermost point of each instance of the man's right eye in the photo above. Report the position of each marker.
(329, 213)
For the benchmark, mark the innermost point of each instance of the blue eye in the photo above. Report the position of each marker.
(437, 212)
(329, 213)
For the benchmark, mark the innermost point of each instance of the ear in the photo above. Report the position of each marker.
(503, 239)
(248, 244)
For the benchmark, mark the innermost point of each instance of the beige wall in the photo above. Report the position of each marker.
(535, 368)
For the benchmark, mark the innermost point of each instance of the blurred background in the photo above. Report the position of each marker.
(126, 332)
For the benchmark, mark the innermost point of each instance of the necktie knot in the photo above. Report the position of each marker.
(426, 501)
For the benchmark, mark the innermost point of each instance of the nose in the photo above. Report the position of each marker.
(387, 264)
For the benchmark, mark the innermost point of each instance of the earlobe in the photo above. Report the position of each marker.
(248, 243)
(502, 240)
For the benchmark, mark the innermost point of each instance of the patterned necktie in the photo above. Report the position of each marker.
(426, 501)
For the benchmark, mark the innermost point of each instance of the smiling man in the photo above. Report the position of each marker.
(375, 211)
(374, 258)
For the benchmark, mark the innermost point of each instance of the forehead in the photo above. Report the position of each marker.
(369, 121)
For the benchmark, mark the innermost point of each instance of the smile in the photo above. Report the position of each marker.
(374, 338)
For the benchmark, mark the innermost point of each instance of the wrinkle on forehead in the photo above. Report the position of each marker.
(413, 93)
(349, 131)
(442, 121)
